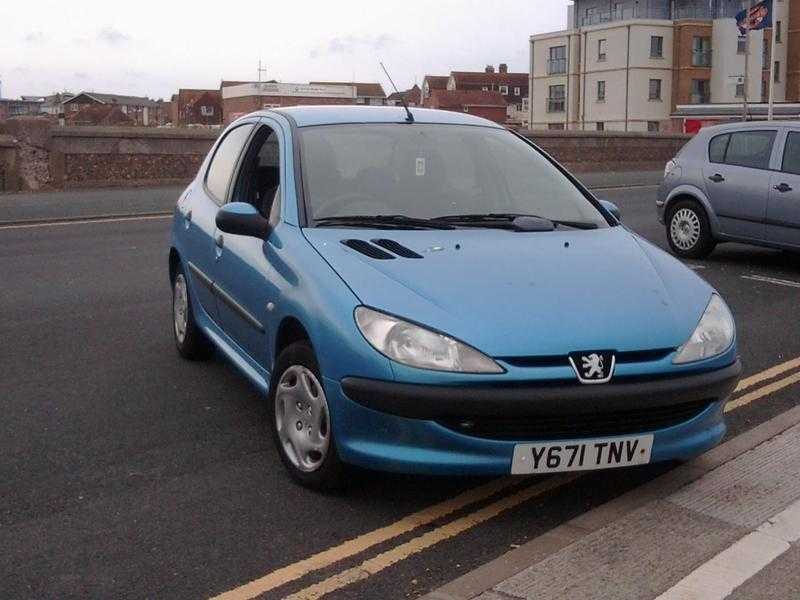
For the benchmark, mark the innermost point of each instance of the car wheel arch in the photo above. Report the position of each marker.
(174, 263)
(692, 195)
(290, 330)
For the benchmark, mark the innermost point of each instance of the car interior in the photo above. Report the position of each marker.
(259, 177)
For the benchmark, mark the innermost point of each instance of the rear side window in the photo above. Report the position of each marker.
(224, 161)
(750, 149)
(717, 148)
(791, 154)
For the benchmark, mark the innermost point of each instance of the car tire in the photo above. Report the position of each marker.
(688, 230)
(191, 342)
(301, 422)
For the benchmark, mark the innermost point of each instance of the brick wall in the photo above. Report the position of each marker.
(8, 163)
(585, 151)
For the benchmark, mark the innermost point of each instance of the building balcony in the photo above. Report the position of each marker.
(557, 66)
(701, 58)
(663, 12)
(700, 99)
(556, 105)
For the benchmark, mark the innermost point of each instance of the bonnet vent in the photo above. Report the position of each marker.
(367, 249)
(397, 248)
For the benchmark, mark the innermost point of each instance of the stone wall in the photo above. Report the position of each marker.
(586, 151)
(35, 155)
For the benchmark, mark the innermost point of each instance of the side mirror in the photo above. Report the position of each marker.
(612, 208)
(241, 218)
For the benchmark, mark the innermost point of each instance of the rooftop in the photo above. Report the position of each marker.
(369, 90)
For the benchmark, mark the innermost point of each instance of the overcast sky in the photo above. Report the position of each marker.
(153, 48)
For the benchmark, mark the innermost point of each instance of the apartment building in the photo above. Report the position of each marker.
(627, 65)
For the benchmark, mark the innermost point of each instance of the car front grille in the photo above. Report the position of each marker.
(576, 426)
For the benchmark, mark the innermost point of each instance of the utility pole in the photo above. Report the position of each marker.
(747, 63)
(770, 108)
(261, 70)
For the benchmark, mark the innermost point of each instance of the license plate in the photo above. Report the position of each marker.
(581, 455)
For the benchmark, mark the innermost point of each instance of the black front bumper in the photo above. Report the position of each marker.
(434, 402)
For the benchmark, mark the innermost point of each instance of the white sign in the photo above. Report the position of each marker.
(303, 90)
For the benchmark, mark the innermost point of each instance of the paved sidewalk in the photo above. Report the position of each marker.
(733, 532)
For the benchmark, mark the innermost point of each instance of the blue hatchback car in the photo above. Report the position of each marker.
(427, 292)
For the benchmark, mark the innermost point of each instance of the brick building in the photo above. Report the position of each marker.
(433, 82)
(412, 96)
(140, 110)
(196, 107)
(489, 105)
(241, 98)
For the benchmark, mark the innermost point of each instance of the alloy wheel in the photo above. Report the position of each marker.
(684, 229)
(180, 307)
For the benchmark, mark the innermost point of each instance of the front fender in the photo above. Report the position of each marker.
(692, 191)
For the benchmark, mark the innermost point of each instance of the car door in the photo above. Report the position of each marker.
(783, 209)
(199, 213)
(737, 179)
(244, 274)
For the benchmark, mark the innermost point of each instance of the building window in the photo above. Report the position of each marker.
(601, 91)
(740, 90)
(600, 126)
(558, 60)
(485, 88)
(207, 111)
(778, 32)
(701, 91)
(765, 54)
(516, 91)
(556, 102)
(653, 126)
(741, 45)
(504, 90)
(601, 50)
(589, 17)
(701, 51)
(655, 89)
(555, 126)
(777, 78)
(656, 46)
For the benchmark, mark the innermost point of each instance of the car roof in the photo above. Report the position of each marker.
(744, 125)
(309, 116)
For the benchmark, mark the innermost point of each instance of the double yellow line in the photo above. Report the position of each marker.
(765, 384)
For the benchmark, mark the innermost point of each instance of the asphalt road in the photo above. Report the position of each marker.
(127, 472)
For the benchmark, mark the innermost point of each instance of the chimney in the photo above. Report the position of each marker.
(503, 68)
(490, 68)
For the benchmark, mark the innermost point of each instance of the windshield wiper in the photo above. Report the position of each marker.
(381, 222)
(479, 219)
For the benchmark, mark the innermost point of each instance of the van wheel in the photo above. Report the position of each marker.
(301, 421)
(688, 230)
(190, 341)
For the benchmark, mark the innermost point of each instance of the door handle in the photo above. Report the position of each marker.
(220, 241)
(717, 178)
(188, 216)
(783, 187)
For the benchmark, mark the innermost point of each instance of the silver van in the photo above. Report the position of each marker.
(738, 182)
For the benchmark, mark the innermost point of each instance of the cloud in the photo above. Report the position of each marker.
(350, 44)
(35, 37)
(113, 37)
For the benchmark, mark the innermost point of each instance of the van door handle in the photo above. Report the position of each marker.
(220, 241)
(783, 187)
(717, 178)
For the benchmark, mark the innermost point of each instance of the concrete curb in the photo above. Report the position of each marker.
(485, 577)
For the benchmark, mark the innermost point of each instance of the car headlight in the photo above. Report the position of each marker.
(416, 346)
(712, 336)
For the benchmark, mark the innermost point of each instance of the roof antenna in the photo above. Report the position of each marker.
(409, 117)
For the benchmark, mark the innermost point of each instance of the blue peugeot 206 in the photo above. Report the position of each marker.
(427, 292)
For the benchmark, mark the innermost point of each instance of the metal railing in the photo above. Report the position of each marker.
(556, 66)
(701, 58)
(664, 12)
(556, 105)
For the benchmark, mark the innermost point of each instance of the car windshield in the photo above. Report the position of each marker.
(429, 171)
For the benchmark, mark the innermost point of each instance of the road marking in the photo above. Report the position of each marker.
(363, 542)
(83, 221)
(399, 553)
(720, 576)
(388, 558)
(767, 374)
(762, 391)
(763, 279)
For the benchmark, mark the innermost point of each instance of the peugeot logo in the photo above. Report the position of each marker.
(593, 367)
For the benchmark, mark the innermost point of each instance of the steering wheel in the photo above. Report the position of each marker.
(336, 206)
